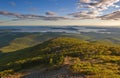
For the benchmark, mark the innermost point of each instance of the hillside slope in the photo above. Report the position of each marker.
(26, 40)
(91, 59)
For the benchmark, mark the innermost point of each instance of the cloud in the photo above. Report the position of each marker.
(52, 16)
(111, 16)
(104, 4)
(85, 14)
(85, 1)
(12, 3)
(96, 6)
(31, 16)
(1, 22)
(51, 13)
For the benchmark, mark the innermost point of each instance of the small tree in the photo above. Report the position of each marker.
(51, 61)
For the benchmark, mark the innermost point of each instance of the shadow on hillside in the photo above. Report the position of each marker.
(15, 54)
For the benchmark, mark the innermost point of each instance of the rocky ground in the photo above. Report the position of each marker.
(58, 73)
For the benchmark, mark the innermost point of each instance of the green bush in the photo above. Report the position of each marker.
(6, 73)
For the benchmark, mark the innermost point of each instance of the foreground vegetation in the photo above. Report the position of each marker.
(93, 59)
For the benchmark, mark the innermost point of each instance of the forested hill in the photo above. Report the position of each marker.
(94, 59)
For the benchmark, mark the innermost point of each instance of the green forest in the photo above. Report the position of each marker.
(93, 59)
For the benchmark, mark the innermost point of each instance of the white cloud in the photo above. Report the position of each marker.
(96, 7)
(84, 1)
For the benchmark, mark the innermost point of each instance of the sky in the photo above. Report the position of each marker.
(59, 12)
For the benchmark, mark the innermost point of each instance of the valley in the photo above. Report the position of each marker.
(59, 55)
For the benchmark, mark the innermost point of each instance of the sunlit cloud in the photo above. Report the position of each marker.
(31, 16)
(112, 16)
(96, 8)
